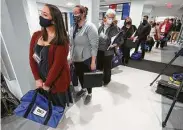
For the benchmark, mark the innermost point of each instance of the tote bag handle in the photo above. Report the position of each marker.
(32, 103)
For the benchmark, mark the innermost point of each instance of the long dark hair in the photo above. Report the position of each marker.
(154, 25)
(61, 37)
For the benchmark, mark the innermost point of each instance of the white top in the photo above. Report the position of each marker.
(153, 32)
(163, 28)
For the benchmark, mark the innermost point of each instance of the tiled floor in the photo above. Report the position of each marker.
(128, 103)
(165, 55)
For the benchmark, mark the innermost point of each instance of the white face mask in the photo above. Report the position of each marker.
(109, 21)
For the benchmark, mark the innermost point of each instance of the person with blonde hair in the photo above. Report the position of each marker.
(106, 49)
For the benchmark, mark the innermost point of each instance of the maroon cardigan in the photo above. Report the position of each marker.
(59, 73)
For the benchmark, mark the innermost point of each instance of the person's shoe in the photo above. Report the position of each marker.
(80, 93)
(87, 99)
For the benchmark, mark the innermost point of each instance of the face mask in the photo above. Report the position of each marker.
(77, 18)
(144, 21)
(45, 22)
(109, 21)
(128, 22)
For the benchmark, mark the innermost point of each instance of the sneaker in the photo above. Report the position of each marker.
(80, 93)
(88, 99)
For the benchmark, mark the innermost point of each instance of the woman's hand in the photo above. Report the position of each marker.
(39, 83)
(93, 66)
(112, 46)
(46, 88)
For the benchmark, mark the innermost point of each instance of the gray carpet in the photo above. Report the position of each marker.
(155, 67)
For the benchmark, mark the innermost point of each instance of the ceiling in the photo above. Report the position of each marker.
(63, 3)
(177, 5)
(147, 2)
(163, 2)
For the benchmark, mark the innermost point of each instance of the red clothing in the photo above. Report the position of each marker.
(59, 73)
(167, 27)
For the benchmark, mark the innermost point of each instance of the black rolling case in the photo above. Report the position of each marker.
(169, 90)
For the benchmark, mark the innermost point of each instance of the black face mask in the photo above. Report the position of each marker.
(129, 23)
(77, 19)
(45, 22)
(144, 21)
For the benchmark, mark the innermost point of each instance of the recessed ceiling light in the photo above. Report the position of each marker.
(70, 4)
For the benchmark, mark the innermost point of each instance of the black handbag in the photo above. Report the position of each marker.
(131, 44)
(93, 79)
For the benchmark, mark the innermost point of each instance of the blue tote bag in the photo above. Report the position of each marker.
(136, 56)
(117, 58)
(38, 108)
(178, 77)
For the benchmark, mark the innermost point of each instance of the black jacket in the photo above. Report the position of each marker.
(143, 31)
(110, 32)
(178, 27)
(127, 32)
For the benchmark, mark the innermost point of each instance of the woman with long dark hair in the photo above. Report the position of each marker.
(84, 46)
(48, 55)
(128, 29)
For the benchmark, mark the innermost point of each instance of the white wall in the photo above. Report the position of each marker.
(147, 10)
(15, 32)
(136, 10)
(31, 11)
(62, 9)
(164, 11)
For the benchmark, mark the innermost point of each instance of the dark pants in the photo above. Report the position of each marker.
(163, 42)
(82, 68)
(126, 53)
(104, 64)
(142, 43)
(158, 43)
(150, 43)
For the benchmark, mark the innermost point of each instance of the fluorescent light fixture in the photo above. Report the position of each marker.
(70, 4)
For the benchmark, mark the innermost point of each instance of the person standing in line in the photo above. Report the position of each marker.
(142, 33)
(48, 53)
(106, 49)
(84, 47)
(172, 29)
(177, 29)
(164, 30)
(128, 30)
(157, 35)
(153, 36)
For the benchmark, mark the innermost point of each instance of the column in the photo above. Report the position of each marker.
(32, 15)
(136, 10)
(16, 35)
(93, 10)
